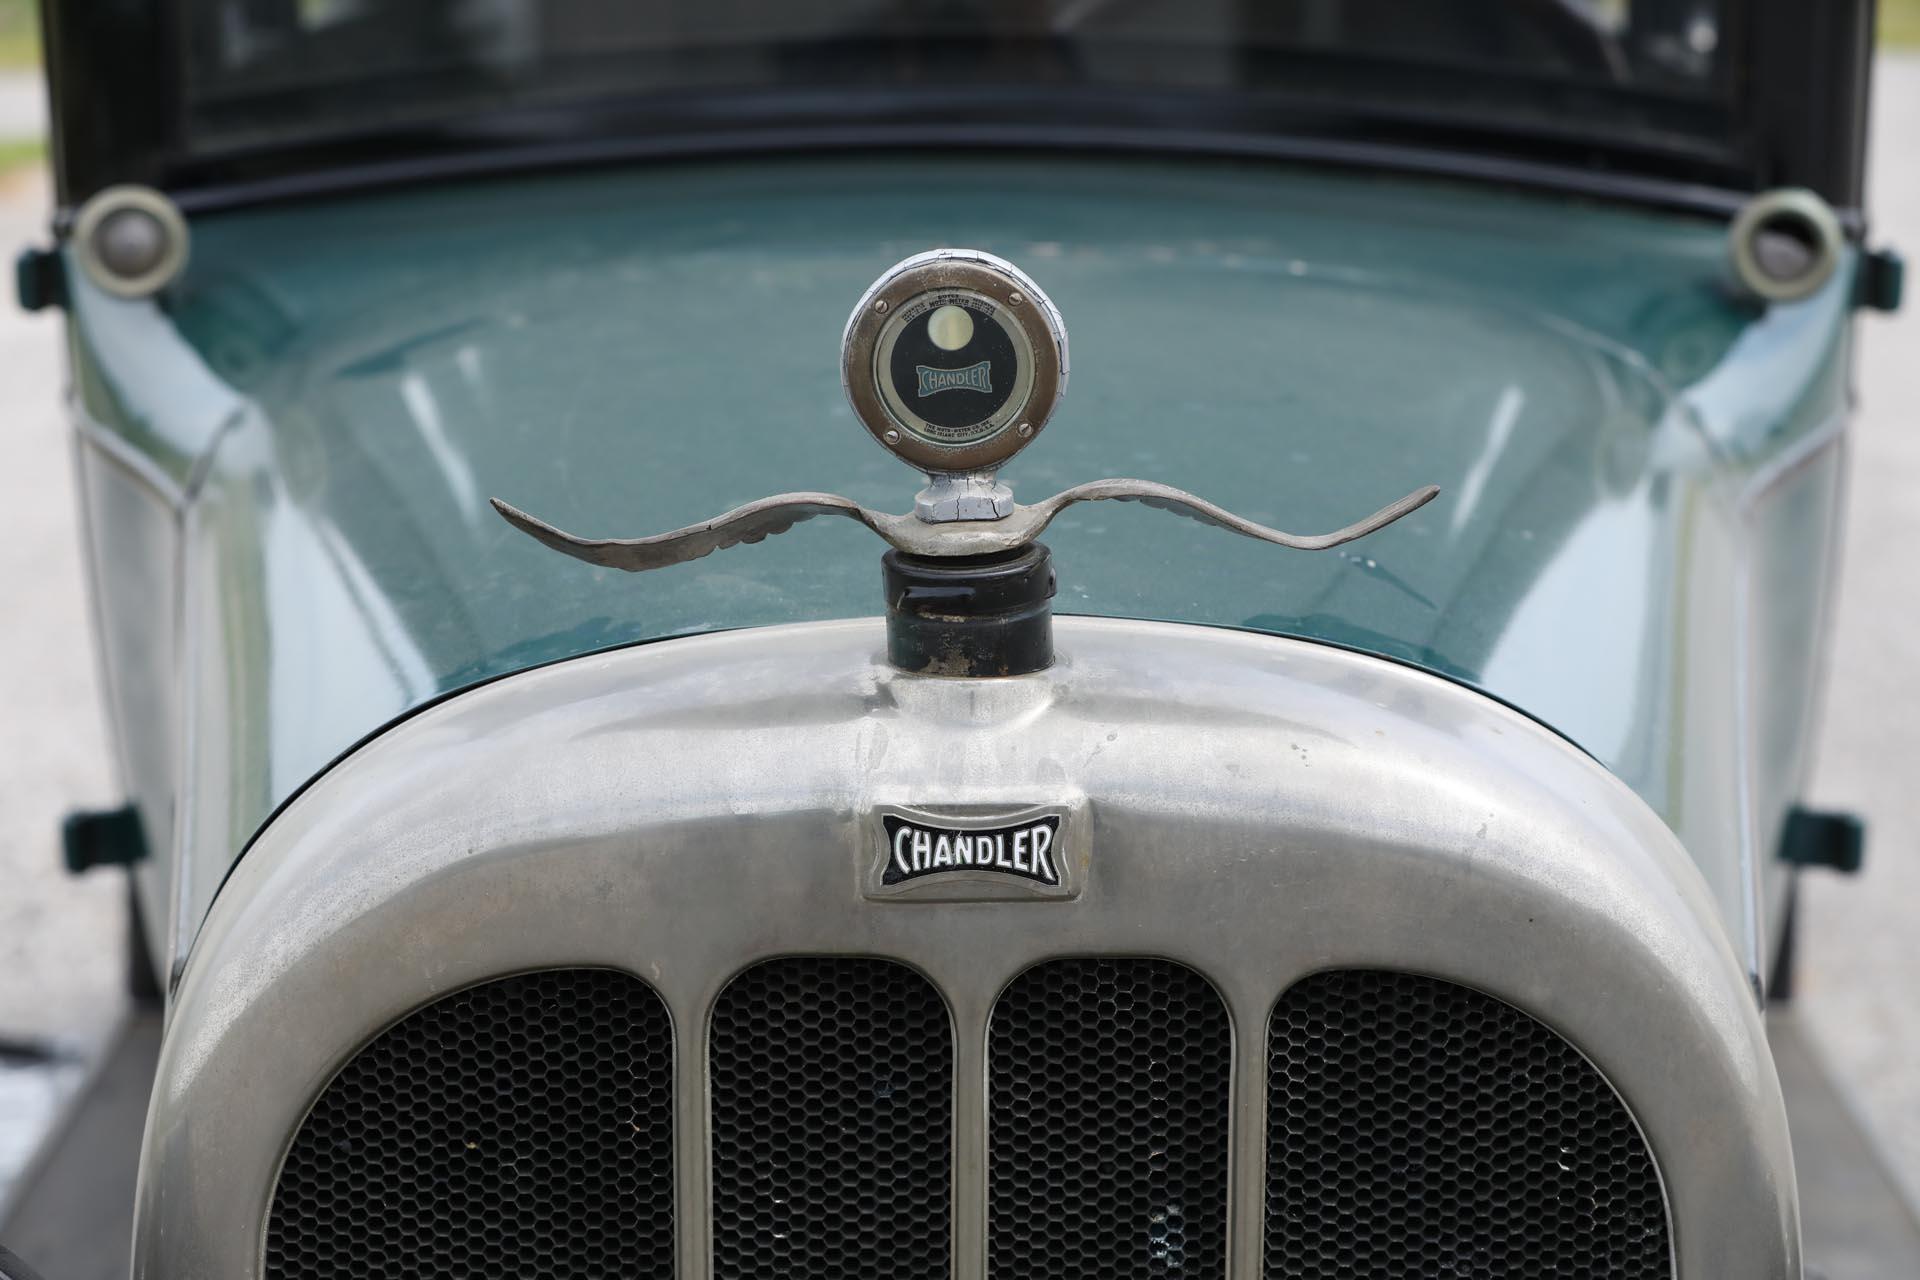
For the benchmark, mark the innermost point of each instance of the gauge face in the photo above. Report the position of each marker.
(954, 360)
(952, 368)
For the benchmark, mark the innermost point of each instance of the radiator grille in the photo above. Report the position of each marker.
(1108, 1124)
(524, 1127)
(520, 1128)
(832, 1095)
(1421, 1128)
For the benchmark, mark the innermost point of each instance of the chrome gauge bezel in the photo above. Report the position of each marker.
(998, 292)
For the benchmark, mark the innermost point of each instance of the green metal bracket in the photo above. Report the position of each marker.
(39, 280)
(1836, 841)
(1882, 280)
(103, 838)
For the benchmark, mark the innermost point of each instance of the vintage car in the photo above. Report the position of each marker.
(901, 895)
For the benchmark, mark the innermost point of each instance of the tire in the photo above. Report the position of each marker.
(143, 984)
(11, 1268)
(1780, 979)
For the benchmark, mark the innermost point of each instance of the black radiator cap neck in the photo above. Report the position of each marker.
(970, 615)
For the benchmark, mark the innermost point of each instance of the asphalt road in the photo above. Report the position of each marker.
(60, 937)
(1859, 971)
(1860, 951)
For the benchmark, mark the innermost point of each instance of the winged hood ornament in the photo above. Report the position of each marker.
(954, 361)
(764, 517)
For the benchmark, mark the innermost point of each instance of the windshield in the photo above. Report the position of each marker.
(1646, 74)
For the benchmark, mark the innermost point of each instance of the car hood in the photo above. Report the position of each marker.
(623, 353)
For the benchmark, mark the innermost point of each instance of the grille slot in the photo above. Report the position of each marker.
(832, 1093)
(1108, 1123)
(523, 1127)
(1416, 1127)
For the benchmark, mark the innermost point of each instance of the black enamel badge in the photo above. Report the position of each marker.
(1024, 850)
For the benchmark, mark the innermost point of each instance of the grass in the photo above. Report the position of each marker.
(21, 154)
(19, 33)
(1900, 24)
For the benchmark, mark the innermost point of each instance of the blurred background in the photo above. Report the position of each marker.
(61, 938)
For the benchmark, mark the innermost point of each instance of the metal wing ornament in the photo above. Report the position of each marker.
(953, 361)
(765, 517)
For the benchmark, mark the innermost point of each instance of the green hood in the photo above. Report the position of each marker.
(623, 353)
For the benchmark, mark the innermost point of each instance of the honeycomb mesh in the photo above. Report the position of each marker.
(1108, 1123)
(1418, 1128)
(832, 1093)
(520, 1128)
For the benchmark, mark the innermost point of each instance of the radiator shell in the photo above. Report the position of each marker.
(1254, 808)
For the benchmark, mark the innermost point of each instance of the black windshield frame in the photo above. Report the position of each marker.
(1797, 117)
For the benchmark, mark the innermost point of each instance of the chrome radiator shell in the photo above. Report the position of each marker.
(1258, 809)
